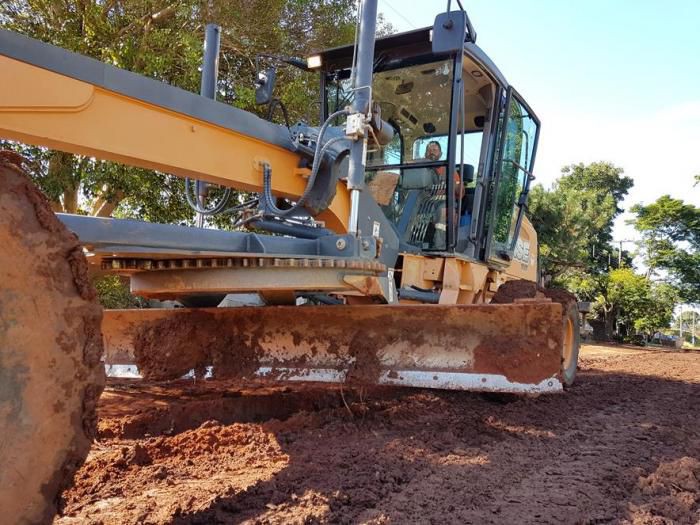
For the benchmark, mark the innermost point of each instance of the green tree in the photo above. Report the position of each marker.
(604, 177)
(658, 311)
(113, 292)
(163, 39)
(622, 294)
(574, 219)
(635, 302)
(687, 324)
(670, 231)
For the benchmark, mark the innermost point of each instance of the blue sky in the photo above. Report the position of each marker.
(610, 80)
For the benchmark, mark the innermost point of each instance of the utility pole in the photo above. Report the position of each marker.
(619, 256)
(619, 253)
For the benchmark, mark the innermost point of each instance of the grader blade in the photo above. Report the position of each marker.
(500, 348)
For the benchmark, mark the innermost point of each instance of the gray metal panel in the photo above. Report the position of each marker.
(151, 237)
(79, 67)
(108, 236)
(449, 32)
(475, 52)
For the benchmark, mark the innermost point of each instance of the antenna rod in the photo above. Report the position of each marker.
(358, 120)
(210, 74)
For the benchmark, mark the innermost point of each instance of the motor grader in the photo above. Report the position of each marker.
(386, 244)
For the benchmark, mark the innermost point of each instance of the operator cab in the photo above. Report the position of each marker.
(436, 181)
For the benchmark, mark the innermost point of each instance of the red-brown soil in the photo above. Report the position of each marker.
(622, 446)
(51, 373)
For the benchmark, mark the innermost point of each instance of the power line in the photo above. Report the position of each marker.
(413, 26)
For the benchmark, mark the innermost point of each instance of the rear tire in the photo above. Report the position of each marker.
(51, 373)
(572, 342)
(519, 289)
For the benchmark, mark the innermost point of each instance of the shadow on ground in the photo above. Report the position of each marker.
(619, 446)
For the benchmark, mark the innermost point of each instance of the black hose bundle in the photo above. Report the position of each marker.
(319, 152)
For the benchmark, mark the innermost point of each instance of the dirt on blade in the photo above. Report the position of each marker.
(622, 446)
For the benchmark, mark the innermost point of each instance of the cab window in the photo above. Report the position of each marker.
(518, 143)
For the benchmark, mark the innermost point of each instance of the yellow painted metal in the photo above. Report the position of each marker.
(170, 284)
(44, 108)
(569, 343)
(524, 263)
(462, 281)
(459, 281)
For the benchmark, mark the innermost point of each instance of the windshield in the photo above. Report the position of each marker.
(520, 137)
(409, 177)
(415, 100)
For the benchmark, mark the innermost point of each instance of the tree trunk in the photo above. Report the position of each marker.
(609, 323)
(103, 207)
(62, 170)
(70, 201)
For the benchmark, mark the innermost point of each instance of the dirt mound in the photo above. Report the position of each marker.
(199, 465)
(510, 291)
(671, 494)
(132, 410)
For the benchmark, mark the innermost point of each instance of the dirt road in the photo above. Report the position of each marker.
(623, 446)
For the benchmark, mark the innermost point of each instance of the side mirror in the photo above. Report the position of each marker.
(451, 30)
(265, 85)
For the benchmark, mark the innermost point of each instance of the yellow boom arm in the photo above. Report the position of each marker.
(148, 124)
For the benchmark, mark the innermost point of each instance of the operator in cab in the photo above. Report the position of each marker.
(433, 151)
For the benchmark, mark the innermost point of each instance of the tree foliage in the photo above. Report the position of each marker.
(624, 295)
(162, 39)
(670, 230)
(574, 219)
(574, 222)
(634, 301)
(113, 293)
(657, 312)
(687, 324)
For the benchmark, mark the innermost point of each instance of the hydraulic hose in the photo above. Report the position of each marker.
(220, 206)
(319, 152)
(268, 198)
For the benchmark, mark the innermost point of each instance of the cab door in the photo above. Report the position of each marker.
(515, 157)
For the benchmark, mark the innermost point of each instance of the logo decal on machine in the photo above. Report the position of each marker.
(522, 251)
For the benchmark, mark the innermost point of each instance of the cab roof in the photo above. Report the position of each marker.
(399, 47)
